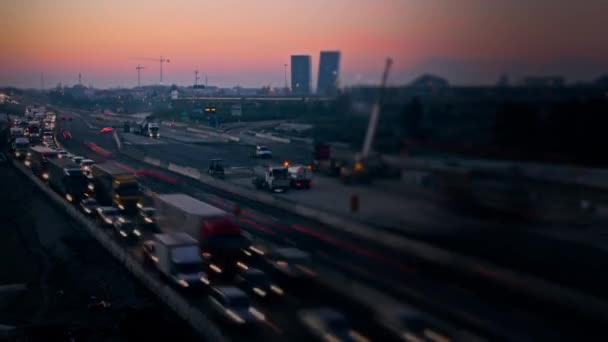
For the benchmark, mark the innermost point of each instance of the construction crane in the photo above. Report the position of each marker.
(162, 60)
(373, 119)
(139, 68)
(196, 78)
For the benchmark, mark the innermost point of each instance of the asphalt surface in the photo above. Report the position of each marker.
(66, 276)
(390, 271)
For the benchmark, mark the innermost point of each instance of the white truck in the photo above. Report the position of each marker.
(219, 237)
(272, 178)
(176, 257)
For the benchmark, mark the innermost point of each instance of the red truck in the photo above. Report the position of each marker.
(219, 237)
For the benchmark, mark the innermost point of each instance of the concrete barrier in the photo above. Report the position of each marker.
(273, 138)
(197, 320)
(152, 161)
(214, 134)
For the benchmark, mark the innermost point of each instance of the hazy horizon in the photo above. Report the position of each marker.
(247, 44)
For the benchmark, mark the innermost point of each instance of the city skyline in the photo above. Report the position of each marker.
(471, 41)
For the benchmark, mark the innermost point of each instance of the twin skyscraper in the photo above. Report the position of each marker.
(327, 80)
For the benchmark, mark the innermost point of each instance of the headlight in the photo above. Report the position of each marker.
(108, 221)
(91, 187)
(123, 233)
(17, 154)
(276, 289)
(257, 314)
(136, 232)
(215, 268)
(205, 280)
(259, 292)
(183, 283)
(68, 197)
(45, 175)
(28, 163)
(87, 210)
(234, 316)
(151, 135)
(121, 207)
(147, 219)
(139, 205)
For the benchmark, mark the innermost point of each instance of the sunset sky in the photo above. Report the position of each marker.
(247, 42)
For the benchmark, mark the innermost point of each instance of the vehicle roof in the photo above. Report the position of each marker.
(291, 252)
(191, 205)
(88, 161)
(22, 140)
(253, 271)
(326, 314)
(230, 291)
(106, 208)
(112, 169)
(43, 149)
(65, 163)
(175, 239)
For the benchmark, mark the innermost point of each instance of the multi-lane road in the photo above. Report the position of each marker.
(393, 272)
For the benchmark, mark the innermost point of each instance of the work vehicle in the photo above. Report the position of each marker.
(272, 178)
(262, 152)
(219, 237)
(107, 215)
(37, 159)
(126, 228)
(299, 177)
(20, 147)
(113, 185)
(216, 169)
(146, 216)
(256, 282)
(88, 205)
(176, 256)
(67, 179)
(234, 305)
(328, 325)
(148, 128)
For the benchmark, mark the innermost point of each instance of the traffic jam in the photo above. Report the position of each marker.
(193, 245)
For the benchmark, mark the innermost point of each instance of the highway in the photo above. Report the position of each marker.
(391, 271)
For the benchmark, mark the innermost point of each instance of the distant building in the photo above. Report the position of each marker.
(544, 81)
(430, 82)
(300, 74)
(329, 69)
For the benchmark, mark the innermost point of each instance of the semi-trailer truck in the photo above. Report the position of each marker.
(114, 186)
(219, 237)
(273, 178)
(67, 179)
(38, 159)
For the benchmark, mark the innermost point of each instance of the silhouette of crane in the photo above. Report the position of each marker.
(196, 78)
(162, 60)
(138, 68)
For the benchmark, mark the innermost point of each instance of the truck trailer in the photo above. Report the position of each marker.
(219, 237)
(67, 179)
(115, 186)
(38, 159)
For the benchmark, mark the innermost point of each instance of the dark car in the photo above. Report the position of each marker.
(88, 205)
(256, 282)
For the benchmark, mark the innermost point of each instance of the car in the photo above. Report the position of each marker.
(234, 306)
(126, 228)
(77, 159)
(88, 205)
(107, 215)
(61, 153)
(106, 129)
(291, 262)
(412, 325)
(146, 215)
(263, 152)
(255, 281)
(328, 325)
(86, 165)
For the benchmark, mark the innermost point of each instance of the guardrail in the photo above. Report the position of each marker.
(514, 281)
(191, 314)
